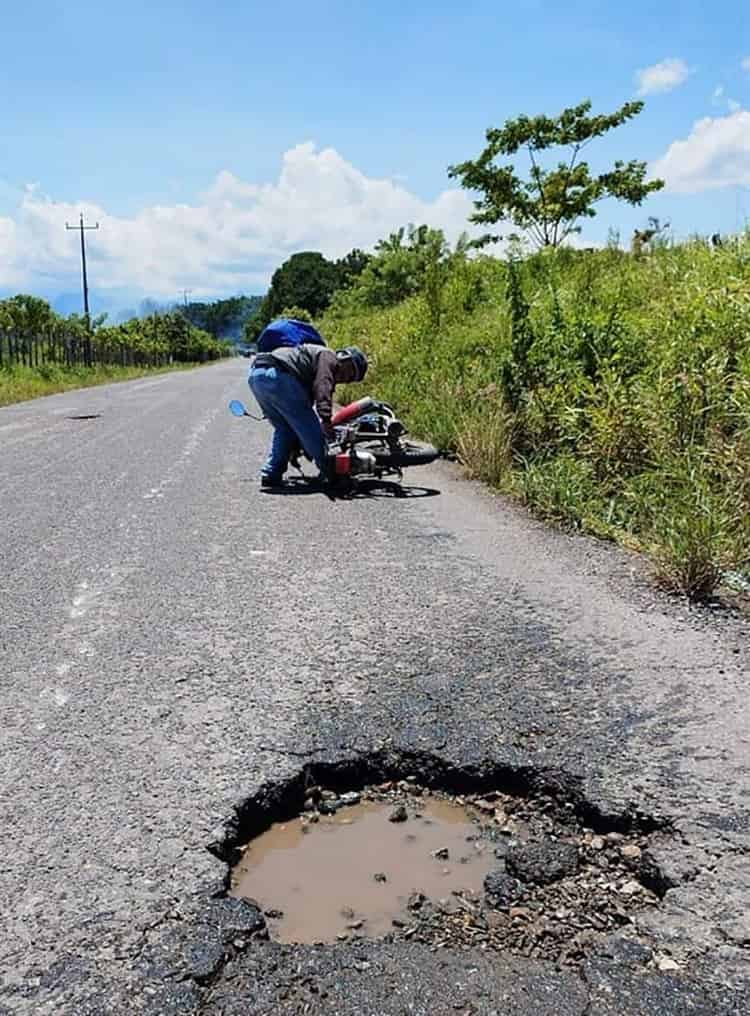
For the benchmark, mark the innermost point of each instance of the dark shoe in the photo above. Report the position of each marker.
(267, 481)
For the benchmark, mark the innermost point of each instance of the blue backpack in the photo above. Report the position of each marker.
(288, 332)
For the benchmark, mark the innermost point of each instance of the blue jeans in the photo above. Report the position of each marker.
(287, 405)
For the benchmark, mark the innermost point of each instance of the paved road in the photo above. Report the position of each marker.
(172, 639)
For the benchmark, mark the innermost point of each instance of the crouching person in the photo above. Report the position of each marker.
(290, 384)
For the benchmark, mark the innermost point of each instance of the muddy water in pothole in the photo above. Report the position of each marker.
(322, 876)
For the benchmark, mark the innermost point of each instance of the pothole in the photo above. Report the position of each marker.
(363, 870)
(442, 857)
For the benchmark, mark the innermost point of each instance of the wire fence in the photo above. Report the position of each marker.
(151, 342)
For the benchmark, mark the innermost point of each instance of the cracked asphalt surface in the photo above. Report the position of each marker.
(172, 639)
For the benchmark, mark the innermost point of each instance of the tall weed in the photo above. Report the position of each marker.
(697, 534)
(485, 439)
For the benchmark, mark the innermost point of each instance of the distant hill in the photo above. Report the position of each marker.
(222, 318)
(109, 301)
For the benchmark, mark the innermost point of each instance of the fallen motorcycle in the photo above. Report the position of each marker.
(369, 444)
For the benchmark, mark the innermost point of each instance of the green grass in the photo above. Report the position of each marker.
(611, 393)
(18, 384)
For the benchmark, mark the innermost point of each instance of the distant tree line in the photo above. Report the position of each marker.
(224, 319)
(414, 259)
(33, 335)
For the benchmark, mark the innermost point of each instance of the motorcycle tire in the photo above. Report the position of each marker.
(410, 454)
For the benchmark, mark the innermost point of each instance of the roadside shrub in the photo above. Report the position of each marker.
(611, 392)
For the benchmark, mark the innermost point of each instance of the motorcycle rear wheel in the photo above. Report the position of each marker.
(411, 453)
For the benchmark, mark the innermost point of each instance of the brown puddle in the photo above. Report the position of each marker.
(321, 875)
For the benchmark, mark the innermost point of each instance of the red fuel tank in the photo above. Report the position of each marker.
(353, 410)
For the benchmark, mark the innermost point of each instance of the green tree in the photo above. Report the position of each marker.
(307, 280)
(28, 314)
(351, 266)
(549, 204)
(26, 318)
(224, 319)
(407, 262)
(296, 314)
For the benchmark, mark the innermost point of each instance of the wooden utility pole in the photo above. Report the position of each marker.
(83, 227)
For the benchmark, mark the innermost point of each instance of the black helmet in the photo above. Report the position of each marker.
(355, 356)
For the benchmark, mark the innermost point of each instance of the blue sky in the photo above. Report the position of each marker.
(214, 140)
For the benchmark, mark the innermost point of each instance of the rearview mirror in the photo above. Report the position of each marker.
(237, 408)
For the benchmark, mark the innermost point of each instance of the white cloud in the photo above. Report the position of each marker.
(9, 272)
(746, 64)
(715, 154)
(231, 241)
(720, 97)
(662, 77)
